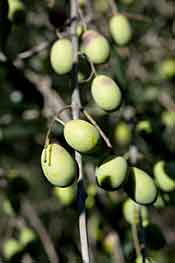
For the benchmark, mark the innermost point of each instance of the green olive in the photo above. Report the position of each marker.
(120, 29)
(144, 126)
(81, 135)
(11, 247)
(167, 68)
(164, 175)
(16, 10)
(61, 56)
(66, 195)
(130, 212)
(27, 235)
(111, 174)
(95, 46)
(122, 134)
(106, 93)
(141, 187)
(58, 166)
(168, 118)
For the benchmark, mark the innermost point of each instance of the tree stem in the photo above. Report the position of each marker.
(76, 105)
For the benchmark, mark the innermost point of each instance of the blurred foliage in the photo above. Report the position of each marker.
(145, 71)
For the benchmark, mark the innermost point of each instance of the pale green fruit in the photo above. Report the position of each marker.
(110, 242)
(167, 68)
(95, 46)
(61, 56)
(27, 235)
(7, 208)
(11, 247)
(164, 177)
(101, 6)
(81, 135)
(140, 260)
(120, 29)
(131, 213)
(144, 126)
(16, 8)
(141, 187)
(168, 118)
(95, 228)
(160, 203)
(58, 166)
(82, 2)
(111, 174)
(66, 195)
(106, 93)
(122, 134)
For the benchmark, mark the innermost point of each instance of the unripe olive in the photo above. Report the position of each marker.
(95, 46)
(26, 236)
(82, 2)
(58, 166)
(141, 187)
(101, 6)
(111, 174)
(122, 134)
(131, 215)
(139, 259)
(16, 10)
(61, 56)
(120, 29)
(167, 68)
(168, 118)
(81, 135)
(106, 93)
(144, 126)
(66, 195)
(11, 247)
(109, 243)
(164, 175)
(160, 203)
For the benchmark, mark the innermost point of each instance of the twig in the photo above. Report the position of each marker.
(103, 135)
(136, 17)
(113, 6)
(76, 104)
(30, 213)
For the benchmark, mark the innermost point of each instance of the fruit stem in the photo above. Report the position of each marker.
(113, 6)
(103, 135)
(76, 105)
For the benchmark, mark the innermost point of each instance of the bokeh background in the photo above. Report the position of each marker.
(34, 217)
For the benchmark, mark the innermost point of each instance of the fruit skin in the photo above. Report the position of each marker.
(11, 247)
(27, 235)
(81, 135)
(122, 134)
(95, 46)
(101, 6)
(140, 187)
(120, 29)
(58, 166)
(168, 118)
(106, 93)
(111, 174)
(164, 177)
(130, 212)
(61, 56)
(66, 195)
(16, 10)
(167, 68)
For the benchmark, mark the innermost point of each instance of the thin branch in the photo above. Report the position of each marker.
(136, 239)
(103, 135)
(113, 6)
(136, 17)
(31, 215)
(76, 104)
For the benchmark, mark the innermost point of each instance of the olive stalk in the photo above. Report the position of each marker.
(76, 105)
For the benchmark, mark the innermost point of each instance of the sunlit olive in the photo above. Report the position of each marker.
(81, 135)
(122, 134)
(82, 2)
(61, 56)
(112, 173)
(164, 175)
(168, 118)
(110, 243)
(26, 236)
(144, 126)
(106, 93)
(10, 248)
(131, 212)
(58, 166)
(141, 187)
(167, 68)
(95, 46)
(66, 195)
(120, 29)
(16, 10)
